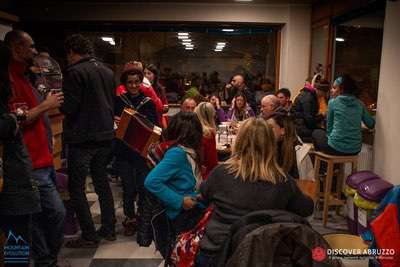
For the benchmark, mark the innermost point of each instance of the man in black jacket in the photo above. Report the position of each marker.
(88, 131)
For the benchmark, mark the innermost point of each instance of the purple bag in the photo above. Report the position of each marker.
(374, 190)
(360, 177)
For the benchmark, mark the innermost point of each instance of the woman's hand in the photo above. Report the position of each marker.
(188, 203)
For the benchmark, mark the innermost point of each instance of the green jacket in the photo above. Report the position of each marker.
(345, 114)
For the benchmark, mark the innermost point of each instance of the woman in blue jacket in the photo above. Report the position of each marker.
(345, 114)
(177, 177)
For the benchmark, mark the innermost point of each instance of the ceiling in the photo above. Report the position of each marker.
(14, 5)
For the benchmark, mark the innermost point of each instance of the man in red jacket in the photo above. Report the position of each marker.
(47, 232)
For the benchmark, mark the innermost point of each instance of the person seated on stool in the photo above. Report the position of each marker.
(345, 114)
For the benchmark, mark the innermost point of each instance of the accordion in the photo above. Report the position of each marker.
(137, 131)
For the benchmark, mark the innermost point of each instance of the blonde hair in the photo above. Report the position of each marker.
(206, 113)
(254, 153)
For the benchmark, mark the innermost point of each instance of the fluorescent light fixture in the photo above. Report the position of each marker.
(222, 46)
(183, 34)
(189, 48)
(221, 43)
(339, 39)
(183, 37)
(218, 50)
(107, 39)
(112, 42)
(228, 30)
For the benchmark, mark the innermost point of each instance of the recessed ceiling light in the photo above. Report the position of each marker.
(218, 50)
(183, 33)
(189, 48)
(112, 42)
(107, 39)
(183, 37)
(186, 43)
(228, 30)
(339, 39)
(189, 45)
(221, 43)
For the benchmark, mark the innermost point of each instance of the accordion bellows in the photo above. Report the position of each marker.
(137, 131)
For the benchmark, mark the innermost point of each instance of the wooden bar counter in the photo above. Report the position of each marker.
(56, 123)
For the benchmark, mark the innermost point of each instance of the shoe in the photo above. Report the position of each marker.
(130, 225)
(106, 235)
(82, 243)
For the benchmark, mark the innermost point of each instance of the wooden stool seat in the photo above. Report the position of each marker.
(331, 160)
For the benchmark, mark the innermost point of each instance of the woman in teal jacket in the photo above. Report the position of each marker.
(345, 114)
(175, 180)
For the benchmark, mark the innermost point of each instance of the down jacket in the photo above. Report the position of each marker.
(273, 238)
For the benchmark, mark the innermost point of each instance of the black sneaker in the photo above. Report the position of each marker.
(106, 235)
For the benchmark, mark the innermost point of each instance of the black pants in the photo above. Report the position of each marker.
(320, 140)
(132, 176)
(81, 159)
(18, 234)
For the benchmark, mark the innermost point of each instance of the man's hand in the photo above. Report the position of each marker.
(54, 100)
(188, 203)
(117, 120)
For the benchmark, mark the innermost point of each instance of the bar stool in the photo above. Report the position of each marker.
(331, 160)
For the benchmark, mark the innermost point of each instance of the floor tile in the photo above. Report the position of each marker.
(125, 249)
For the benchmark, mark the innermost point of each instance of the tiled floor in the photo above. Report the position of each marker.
(125, 252)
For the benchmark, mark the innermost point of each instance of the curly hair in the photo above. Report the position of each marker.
(78, 44)
(133, 71)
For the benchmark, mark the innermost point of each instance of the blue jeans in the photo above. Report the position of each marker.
(48, 225)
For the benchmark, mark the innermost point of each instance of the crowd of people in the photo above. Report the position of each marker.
(181, 173)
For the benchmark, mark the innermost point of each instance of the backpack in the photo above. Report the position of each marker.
(187, 243)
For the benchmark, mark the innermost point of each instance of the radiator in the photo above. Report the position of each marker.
(366, 158)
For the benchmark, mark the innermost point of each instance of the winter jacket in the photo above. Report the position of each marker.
(273, 238)
(305, 110)
(88, 102)
(345, 114)
(154, 225)
(20, 195)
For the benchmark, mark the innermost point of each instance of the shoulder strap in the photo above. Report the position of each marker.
(144, 101)
(126, 100)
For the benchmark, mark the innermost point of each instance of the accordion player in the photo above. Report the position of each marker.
(137, 131)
